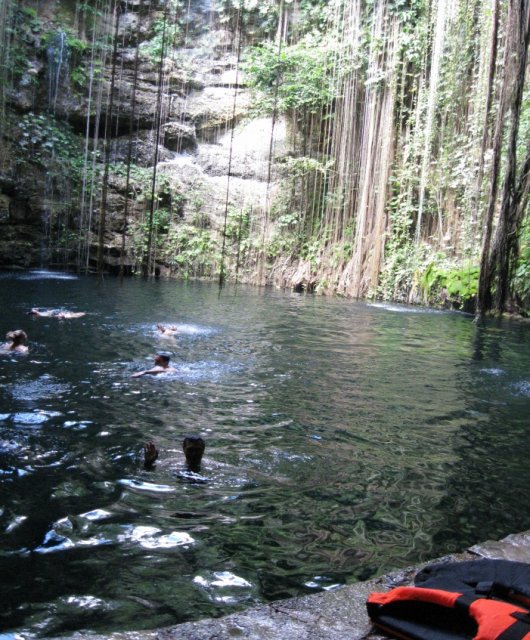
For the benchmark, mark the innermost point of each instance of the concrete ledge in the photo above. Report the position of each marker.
(331, 615)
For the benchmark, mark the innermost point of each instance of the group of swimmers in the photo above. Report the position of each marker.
(18, 339)
(192, 446)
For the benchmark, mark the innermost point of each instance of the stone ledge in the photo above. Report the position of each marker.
(332, 615)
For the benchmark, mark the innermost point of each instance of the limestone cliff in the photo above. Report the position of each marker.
(137, 119)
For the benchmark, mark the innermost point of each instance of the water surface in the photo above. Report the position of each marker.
(343, 439)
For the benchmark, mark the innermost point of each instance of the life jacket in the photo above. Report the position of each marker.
(476, 600)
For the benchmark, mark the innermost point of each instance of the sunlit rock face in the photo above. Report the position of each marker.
(196, 128)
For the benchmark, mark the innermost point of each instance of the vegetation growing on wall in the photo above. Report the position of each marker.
(405, 150)
(407, 176)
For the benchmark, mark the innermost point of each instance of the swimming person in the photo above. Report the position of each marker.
(161, 366)
(167, 331)
(193, 447)
(17, 341)
(57, 313)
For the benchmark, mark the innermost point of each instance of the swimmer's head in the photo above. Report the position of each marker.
(193, 447)
(17, 337)
(162, 359)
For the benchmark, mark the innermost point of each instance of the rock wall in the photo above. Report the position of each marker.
(212, 157)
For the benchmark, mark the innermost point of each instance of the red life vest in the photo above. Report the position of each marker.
(480, 600)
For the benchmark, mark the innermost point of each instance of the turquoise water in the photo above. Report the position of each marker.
(343, 439)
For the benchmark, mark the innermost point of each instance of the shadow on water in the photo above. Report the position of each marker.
(343, 439)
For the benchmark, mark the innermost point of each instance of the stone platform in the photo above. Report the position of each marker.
(332, 615)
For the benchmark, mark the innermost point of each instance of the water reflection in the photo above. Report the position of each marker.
(43, 274)
(342, 439)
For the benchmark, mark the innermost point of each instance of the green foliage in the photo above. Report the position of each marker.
(397, 275)
(288, 220)
(524, 124)
(303, 166)
(141, 175)
(260, 17)
(521, 276)
(167, 33)
(47, 142)
(315, 15)
(341, 253)
(65, 46)
(20, 38)
(190, 251)
(237, 225)
(312, 249)
(300, 200)
(255, 16)
(141, 186)
(402, 258)
(281, 243)
(457, 284)
(298, 76)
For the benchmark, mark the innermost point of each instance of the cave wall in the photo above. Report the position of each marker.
(58, 128)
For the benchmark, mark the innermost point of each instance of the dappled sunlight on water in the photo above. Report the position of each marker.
(343, 439)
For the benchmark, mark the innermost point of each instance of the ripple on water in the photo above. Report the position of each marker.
(206, 370)
(224, 587)
(339, 439)
(151, 538)
(54, 542)
(86, 602)
(522, 388)
(493, 371)
(404, 308)
(44, 387)
(34, 418)
(77, 425)
(188, 330)
(146, 487)
(96, 515)
(41, 274)
(14, 524)
(182, 329)
(147, 537)
(61, 537)
(322, 582)
(12, 636)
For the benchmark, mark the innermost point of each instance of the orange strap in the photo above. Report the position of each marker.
(493, 617)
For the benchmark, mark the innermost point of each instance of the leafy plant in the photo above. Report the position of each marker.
(457, 284)
(47, 142)
(298, 76)
(191, 251)
(166, 34)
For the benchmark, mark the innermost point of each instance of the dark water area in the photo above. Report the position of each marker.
(343, 439)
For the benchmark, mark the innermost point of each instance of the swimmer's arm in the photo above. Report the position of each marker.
(148, 372)
(150, 455)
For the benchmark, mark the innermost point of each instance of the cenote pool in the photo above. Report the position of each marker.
(343, 439)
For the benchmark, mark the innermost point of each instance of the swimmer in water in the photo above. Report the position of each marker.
(193, 447)
(57, 313)
(167, 331)
(17, 341)
(161, 366)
